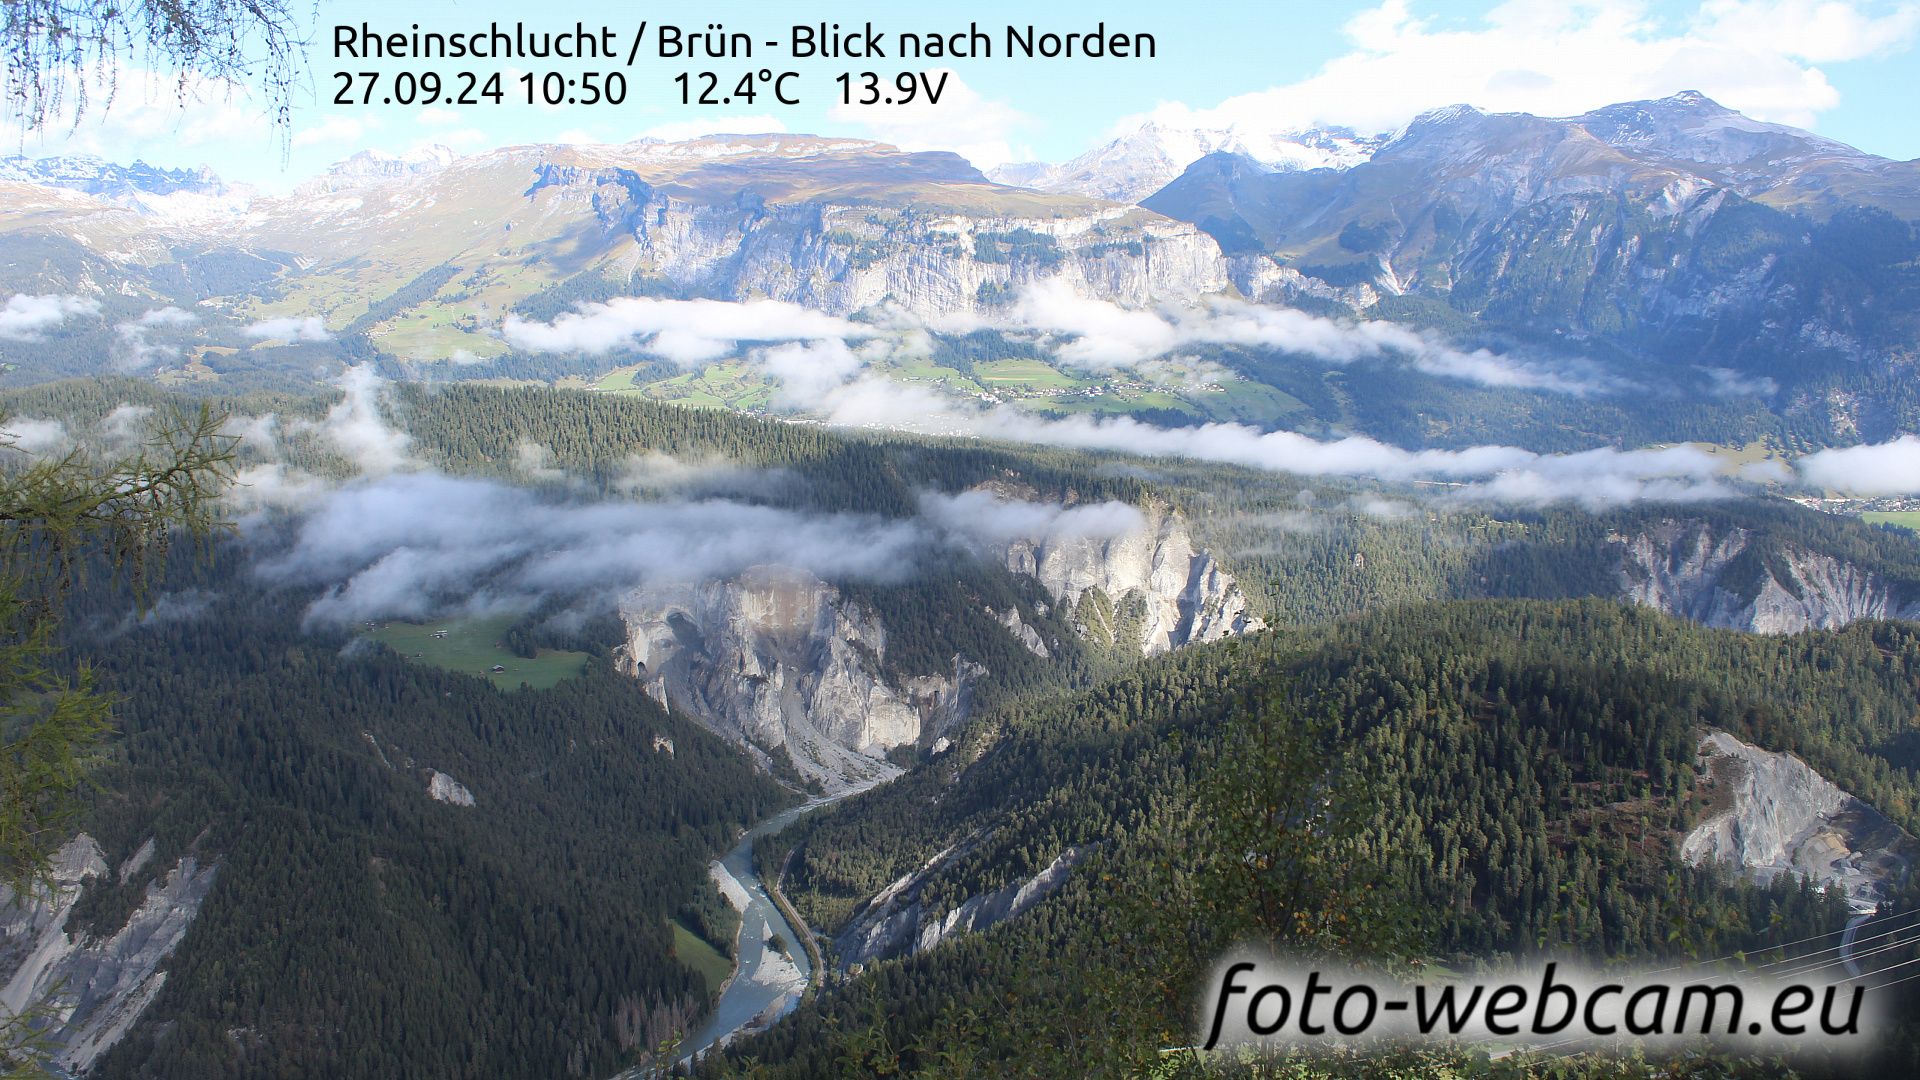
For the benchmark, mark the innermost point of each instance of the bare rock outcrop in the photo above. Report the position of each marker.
(1149, 588)
(780, 660)
(895, 923)
(1782, 817)
(93, 988)
(1723, 577)
(444, 788)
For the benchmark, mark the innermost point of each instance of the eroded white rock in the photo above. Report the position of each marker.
(96, 987)
(1153, 577)
(1785, 818)
(1696, 571)
(778, 659)
(446, 789)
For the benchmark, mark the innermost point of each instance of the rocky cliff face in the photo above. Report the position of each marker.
(778, 660)
(895, 923)
(95, 987)
(835, 224)
(1723, 577)
(1784, 818)
(1149, 588)
(1613, 225)
(444, 788)
(844, 257)
(782, 662)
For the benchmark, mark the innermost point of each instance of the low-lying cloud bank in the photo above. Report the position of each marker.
(686, 332)
(1100, 336)
(1594, 478)
(1888, 468)
(34, 435)
(419, 545)
(402, 540)
(1080, 332)
(818, 371)
(290, 328)
(991, 519)
(152, 338)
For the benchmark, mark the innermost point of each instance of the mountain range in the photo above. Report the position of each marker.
(1226, 535)
(1634, 256)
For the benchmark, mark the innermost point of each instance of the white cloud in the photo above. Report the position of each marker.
(150, 107)
(1554, 58)
(1888, 468)
(161, 318)
(535, 462)
(274, 486)
(126, 424)
(1817, 31)
(289, 328)
(1593, 478)
(422, 544)
(991, 519)
(977, 128)
(153, 337)
(687, 332)
(807, 371)
(26, 316)
(1374, 506)
(1728, 383)
(357, 429)
(31, 435)
(1105, 335)
(1768, 472)
(656, 473)
(260, 433)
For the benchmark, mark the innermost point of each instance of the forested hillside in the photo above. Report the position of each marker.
(1515, 777)
(1528, 764)
(358, 926)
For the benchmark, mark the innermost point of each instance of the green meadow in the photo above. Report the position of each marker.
(474, 647)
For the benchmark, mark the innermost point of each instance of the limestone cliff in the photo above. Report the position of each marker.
(780, 660)
(1148, 588)
(963, 248)
(94, 987)
(444, 788)
(1026, 635)
(1723, 577)
(895, 923)
(1780, 817)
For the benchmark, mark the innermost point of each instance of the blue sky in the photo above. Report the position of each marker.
(1842, 67)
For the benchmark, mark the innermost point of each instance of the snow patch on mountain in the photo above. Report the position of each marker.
(1146, 159)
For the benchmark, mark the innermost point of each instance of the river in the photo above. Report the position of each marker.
(766, 984)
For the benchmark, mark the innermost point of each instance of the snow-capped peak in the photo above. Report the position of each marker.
(379, 166)
(1147, 158)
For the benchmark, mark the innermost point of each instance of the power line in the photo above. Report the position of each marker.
(1744, 953)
